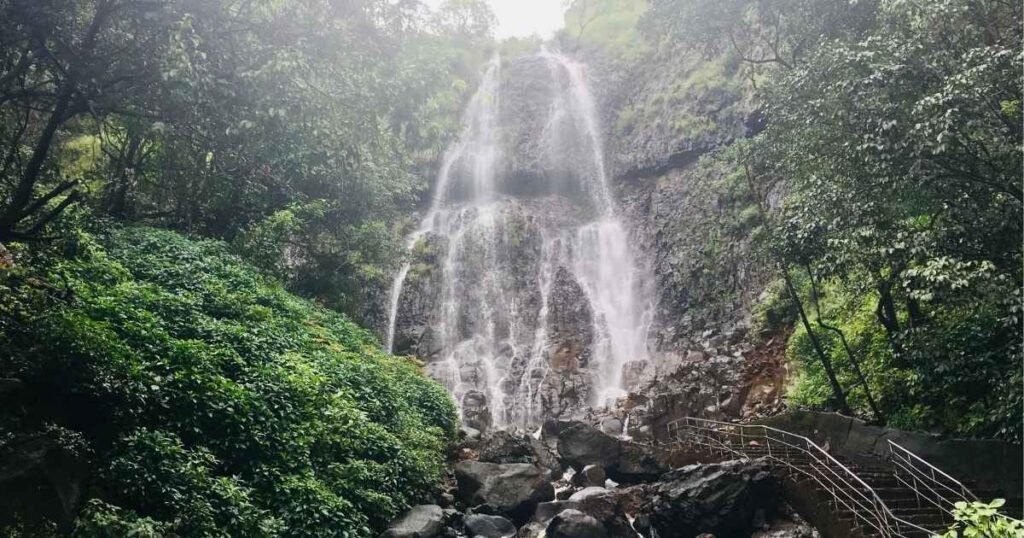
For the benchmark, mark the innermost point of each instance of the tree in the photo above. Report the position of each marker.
(62, 60)
(901, 152)
(469, 19)
(213, 117)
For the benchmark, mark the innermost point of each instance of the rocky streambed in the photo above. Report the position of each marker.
(572, 480)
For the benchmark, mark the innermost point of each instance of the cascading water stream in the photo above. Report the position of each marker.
(479, 116)
(530, 293)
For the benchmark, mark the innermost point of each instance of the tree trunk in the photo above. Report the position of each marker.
(846, 346)
(887, 316)
(15, 210)
(826, 363)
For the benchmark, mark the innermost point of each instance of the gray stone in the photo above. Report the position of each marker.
(694, 356)
(548, 510)
(512, 489)
(475, 412)
(611, 426)
(575, 524)
(587, 493)
(724, 499)
(591, 475)
(470, 434)
(580, 444)
(489, 526)
(532, 529)
(423, 521)
(502, 446)
(638, 462)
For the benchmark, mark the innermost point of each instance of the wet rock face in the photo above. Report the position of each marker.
(725, 499)
(511, 489)
(570, 324)
(575, 524)
(522, 293)
(423, 521)
(537, 159)
(710, 387)
(485, 526)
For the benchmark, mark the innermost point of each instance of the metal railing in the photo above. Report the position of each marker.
(802, 456)
(930, 484)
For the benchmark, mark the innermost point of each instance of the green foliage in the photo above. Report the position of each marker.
(468, 19)
(903, 172)
(762, 32)
(101, 520)
(899, 391)
(891, 165)
(606, 25)
(982, 520)
(687, 101)
(165, 118)
(216, 403)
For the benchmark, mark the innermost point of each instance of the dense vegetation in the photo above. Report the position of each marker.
(208, 400)
(201, 398)
(171, 172)
(889, 182)
(296, 130)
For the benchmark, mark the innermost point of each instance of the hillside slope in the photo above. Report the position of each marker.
(167, 387)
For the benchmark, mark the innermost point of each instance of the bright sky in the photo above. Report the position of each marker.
(521, 18)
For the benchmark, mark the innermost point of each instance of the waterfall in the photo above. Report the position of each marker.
(530, 300)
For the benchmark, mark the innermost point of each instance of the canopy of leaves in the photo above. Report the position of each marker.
(210, 401)
(891, 163)
(213, 117)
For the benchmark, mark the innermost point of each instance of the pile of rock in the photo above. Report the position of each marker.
(576, 481)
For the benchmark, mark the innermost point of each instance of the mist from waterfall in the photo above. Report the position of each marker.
(495, 312)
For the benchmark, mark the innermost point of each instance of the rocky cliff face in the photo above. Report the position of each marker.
(573, 481)
(523, 292)
(498, 299)
(694, 219)
(696, 224)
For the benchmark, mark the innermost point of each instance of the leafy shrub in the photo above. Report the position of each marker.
(215, 402)
(101, 520)
(982, 520)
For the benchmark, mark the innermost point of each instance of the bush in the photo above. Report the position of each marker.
(982, 520)
(215, 402)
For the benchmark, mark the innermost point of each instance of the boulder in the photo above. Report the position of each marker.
(546, 511)
(48, 477)
(475, 412)
(587, 493)
(423, 521)
(637, 463)
(532, 529)
(580, 444)
(501, 446)
(591, 475)
(606, 506)
(470, 434)
(724, 499)
(611, 426)
(575, 524)
(512, 489)
(480, 525)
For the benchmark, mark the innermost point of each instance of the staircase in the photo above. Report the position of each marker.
(900, 496)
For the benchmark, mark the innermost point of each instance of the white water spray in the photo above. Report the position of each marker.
(492, 323)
